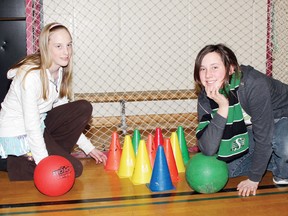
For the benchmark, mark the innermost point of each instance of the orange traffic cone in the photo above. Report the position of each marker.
(171, 160)
(114, 154)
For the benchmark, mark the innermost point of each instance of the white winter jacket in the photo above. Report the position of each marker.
(23, 110)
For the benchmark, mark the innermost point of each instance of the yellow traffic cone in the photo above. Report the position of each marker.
(177, 152)
(143, 170)
(127, 160)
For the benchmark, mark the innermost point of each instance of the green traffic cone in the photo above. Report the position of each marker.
(183, 145)
(135, 140)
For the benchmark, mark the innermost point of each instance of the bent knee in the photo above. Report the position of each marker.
(85, 105)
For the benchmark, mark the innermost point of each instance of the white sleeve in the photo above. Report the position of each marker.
(30, 93)
(12, 73)
(85, 144)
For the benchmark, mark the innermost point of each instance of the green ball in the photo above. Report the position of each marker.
(206, 174)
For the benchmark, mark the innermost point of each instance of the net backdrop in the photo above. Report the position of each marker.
(134, 59)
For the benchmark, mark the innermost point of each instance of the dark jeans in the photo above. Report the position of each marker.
(64, 125)
(278, 163)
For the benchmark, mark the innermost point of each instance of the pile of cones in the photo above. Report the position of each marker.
(156, 163)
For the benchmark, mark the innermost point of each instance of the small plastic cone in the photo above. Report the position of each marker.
(171, 160)
(160, 179)
(118, 143)
(135, 140)
(143, 171)
(114, 154)
(158, 137)
(177, 152)
(183, 145)
(151, 149)
(127, 160)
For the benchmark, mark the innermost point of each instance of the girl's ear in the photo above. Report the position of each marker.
(231, 71)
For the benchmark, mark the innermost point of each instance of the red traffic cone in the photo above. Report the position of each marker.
(158, 138)
(151, 149)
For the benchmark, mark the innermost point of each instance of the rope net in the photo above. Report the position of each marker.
(133, 60)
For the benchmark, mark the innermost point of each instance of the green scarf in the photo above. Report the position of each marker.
(235, 140)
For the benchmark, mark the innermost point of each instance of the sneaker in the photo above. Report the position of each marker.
(280, 181)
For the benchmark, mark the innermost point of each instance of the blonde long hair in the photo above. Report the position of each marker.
(42, 61)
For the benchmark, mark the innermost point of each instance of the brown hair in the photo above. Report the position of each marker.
(228, 58)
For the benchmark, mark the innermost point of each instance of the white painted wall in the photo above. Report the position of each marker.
(131, 40)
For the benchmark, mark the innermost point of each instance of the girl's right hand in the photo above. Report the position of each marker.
(98, 156)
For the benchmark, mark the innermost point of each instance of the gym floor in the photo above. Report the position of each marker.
(101, 192)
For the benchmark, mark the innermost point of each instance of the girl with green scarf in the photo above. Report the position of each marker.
(243, 117)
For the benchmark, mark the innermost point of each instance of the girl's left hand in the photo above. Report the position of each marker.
(247, 187)
(213, 93)
(99, 156)
(221, 100)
